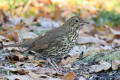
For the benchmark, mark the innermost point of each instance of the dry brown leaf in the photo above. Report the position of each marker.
(20, 71)
(13, 36)
(19, 26)
(70, 76)
(16, 57)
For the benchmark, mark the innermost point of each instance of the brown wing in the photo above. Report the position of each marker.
(50, 39)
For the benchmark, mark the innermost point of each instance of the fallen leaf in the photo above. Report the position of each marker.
(17, 57)
(67, 62)
(96, 68)
(46, 71)
(13, 36)
(74, 54)
(70, 76)
(87, 39)
(33, 75)
(20, 71)
(105, 65)
(81, 78)
(102, 66)
(18, 77)
(115, 64)
(27, 35)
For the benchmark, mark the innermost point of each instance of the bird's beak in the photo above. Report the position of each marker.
(84, 23)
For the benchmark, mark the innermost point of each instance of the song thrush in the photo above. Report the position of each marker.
(56, 42)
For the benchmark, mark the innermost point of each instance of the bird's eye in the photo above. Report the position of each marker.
(76, 20)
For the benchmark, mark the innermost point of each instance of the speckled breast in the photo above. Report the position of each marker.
(66, 44)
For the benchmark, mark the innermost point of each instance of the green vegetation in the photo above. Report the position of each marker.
(105, 56)
(110, 18)
(12, 2)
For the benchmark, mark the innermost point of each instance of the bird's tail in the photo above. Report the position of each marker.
(14, 45)
(24, 44)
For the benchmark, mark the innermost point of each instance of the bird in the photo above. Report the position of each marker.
(56, 42)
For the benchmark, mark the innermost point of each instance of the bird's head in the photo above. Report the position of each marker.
(76, 22)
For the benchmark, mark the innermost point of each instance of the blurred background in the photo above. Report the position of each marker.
(102, 11)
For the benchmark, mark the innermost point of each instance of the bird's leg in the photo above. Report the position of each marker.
(54, 65)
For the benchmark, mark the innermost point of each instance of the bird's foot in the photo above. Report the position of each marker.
(55, 66)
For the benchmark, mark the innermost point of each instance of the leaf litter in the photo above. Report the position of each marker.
(97, 54)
